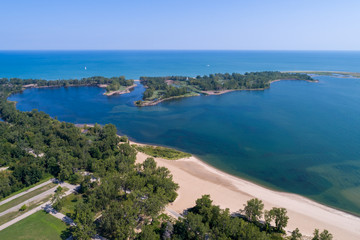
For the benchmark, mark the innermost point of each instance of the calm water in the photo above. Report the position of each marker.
(296, 136)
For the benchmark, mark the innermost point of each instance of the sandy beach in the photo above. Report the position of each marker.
(197, 178)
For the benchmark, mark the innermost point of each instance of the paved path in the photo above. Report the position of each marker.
(72, 189)
(27, 191)
(36, 198)
(173, 213)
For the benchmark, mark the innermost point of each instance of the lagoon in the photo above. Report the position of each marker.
(297, 136)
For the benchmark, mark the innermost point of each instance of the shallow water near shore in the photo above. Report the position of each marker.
(297, 136)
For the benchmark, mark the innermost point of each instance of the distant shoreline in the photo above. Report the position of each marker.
(329, 73)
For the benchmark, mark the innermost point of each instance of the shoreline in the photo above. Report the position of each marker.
(153, 103)
(196, 178)
(118, 92)
(343, 74)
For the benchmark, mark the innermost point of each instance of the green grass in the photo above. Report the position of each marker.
(70, 202)
(38, 226)
(12, 215)
(26, 188)
(162, 152)
(25, 197)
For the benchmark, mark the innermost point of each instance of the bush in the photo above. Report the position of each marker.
(162, 152)
(23, 208)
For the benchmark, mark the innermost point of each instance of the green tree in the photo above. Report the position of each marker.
(296, 235)
(253, 209)
(148, 233)
(56, 200)
(324, 235)
(23, 208)
(119, 220)
(84, 220)
(280, 218)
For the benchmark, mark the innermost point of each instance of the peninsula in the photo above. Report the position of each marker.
(113, 85)
(160, 89)
(339, 74)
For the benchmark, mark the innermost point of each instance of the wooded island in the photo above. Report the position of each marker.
(159, 89)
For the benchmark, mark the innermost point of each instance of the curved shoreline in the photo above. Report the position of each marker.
(196, 178)
(119, 92)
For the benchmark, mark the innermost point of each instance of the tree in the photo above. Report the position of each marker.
(119, 220)
(84, 220)
(148, 233)
(56, 201)
(296, 235)
(268, 219)
(324, 235)
(280, 217)
(253, 209)
(191, 227)
(167, 231)
(23, 208)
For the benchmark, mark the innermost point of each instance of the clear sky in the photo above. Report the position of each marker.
(180, 24)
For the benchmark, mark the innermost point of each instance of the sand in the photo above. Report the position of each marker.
(196, 178)
(119, 92)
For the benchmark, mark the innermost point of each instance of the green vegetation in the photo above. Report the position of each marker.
(158, 88)
(37, 226)
(23, 208)
(330, 73)
(57, 201)
(25, 197)
(253, 209)
(208, 221)
(46, 178)
(12, 215)
(162, 152)
(69, 204)
(324, 235)
(125, 196)
(119, 84)
(90, 81)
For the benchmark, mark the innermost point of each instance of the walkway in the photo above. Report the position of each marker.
(27, 191)
(72, 189)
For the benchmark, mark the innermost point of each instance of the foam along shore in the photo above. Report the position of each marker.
(197, 178)
(119, 92)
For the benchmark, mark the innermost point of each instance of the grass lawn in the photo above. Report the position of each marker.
(70, 202)
(162, 152)
(25, 197)
(7, 217)
(38, 226)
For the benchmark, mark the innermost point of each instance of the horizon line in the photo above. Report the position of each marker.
(280, 50)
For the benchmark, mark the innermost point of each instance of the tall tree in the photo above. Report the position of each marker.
(253, 210)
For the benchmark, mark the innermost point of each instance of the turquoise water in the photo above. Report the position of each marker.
(132, 64)
(297, 136)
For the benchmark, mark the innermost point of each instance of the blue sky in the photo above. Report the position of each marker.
(180, 24)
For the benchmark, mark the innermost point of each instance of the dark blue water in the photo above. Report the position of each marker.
(296, 136)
